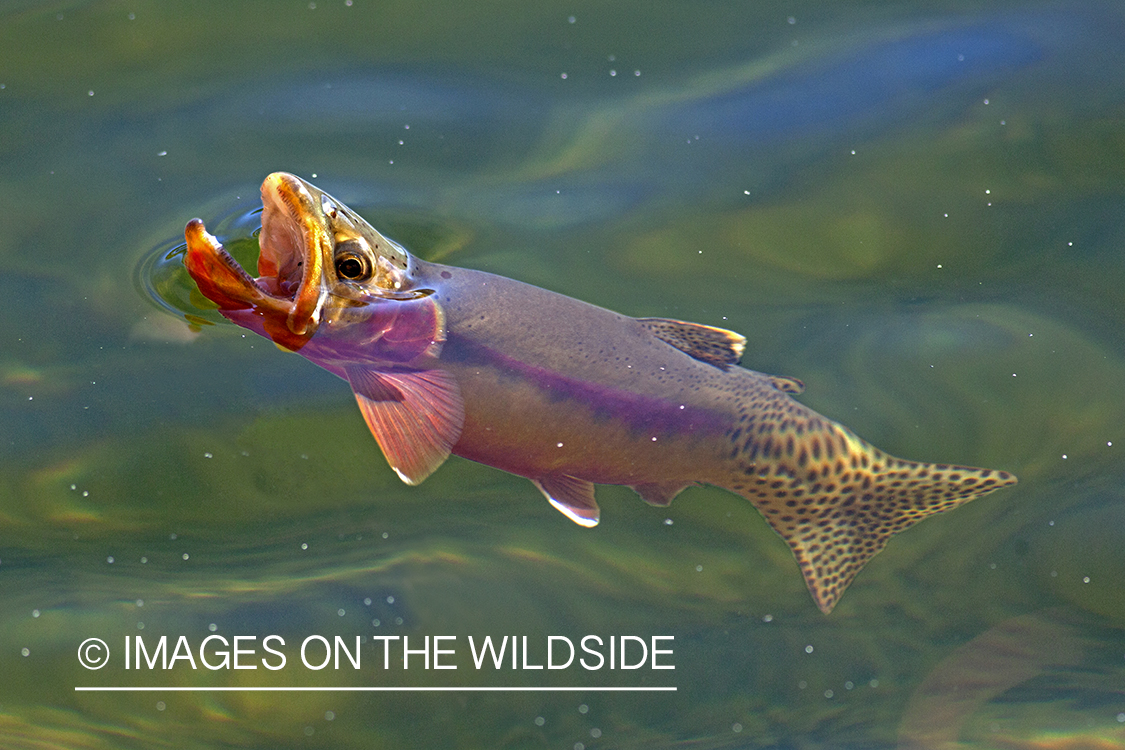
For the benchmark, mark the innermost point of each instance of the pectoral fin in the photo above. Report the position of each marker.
(415, 416)
(715, 346)
(660, 493)
(574, 498)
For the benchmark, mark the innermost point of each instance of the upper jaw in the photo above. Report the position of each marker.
(293, 242)
(286, 206)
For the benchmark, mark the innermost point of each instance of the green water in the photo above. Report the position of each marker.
(916, 208)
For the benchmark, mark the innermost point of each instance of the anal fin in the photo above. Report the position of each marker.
(660, 493)
(416, 417)
(572, 497)
(715, 346)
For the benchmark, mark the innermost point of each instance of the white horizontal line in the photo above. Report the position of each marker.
(381, 689)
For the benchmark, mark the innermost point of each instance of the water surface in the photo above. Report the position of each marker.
(914, 207)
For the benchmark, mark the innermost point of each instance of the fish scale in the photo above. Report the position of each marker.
(449, 361)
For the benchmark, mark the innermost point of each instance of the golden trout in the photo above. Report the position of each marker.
(448, 360)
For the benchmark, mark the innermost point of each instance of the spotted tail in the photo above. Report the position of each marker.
(837, 500)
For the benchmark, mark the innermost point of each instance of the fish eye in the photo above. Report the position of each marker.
(351, 264)
(351, 267)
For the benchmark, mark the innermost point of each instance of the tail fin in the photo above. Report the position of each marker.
(836, 500)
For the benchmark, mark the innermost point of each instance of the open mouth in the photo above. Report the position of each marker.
(281, 262)
(288, 287)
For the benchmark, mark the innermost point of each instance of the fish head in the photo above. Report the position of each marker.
(319, 261)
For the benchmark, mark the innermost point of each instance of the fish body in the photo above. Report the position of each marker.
(445, 360)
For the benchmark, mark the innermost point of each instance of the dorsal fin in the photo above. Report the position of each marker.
(715, 346)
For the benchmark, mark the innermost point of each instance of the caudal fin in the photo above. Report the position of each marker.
(837, 500)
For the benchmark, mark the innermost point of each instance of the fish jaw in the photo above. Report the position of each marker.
(295, 243)
(216, 273)
(240, 297)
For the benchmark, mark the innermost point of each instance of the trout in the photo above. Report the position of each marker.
(446, 360)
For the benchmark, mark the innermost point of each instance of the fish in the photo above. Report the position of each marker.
(452, 361)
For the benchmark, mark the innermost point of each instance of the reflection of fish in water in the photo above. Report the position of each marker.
(996, 661)
(446, 360)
